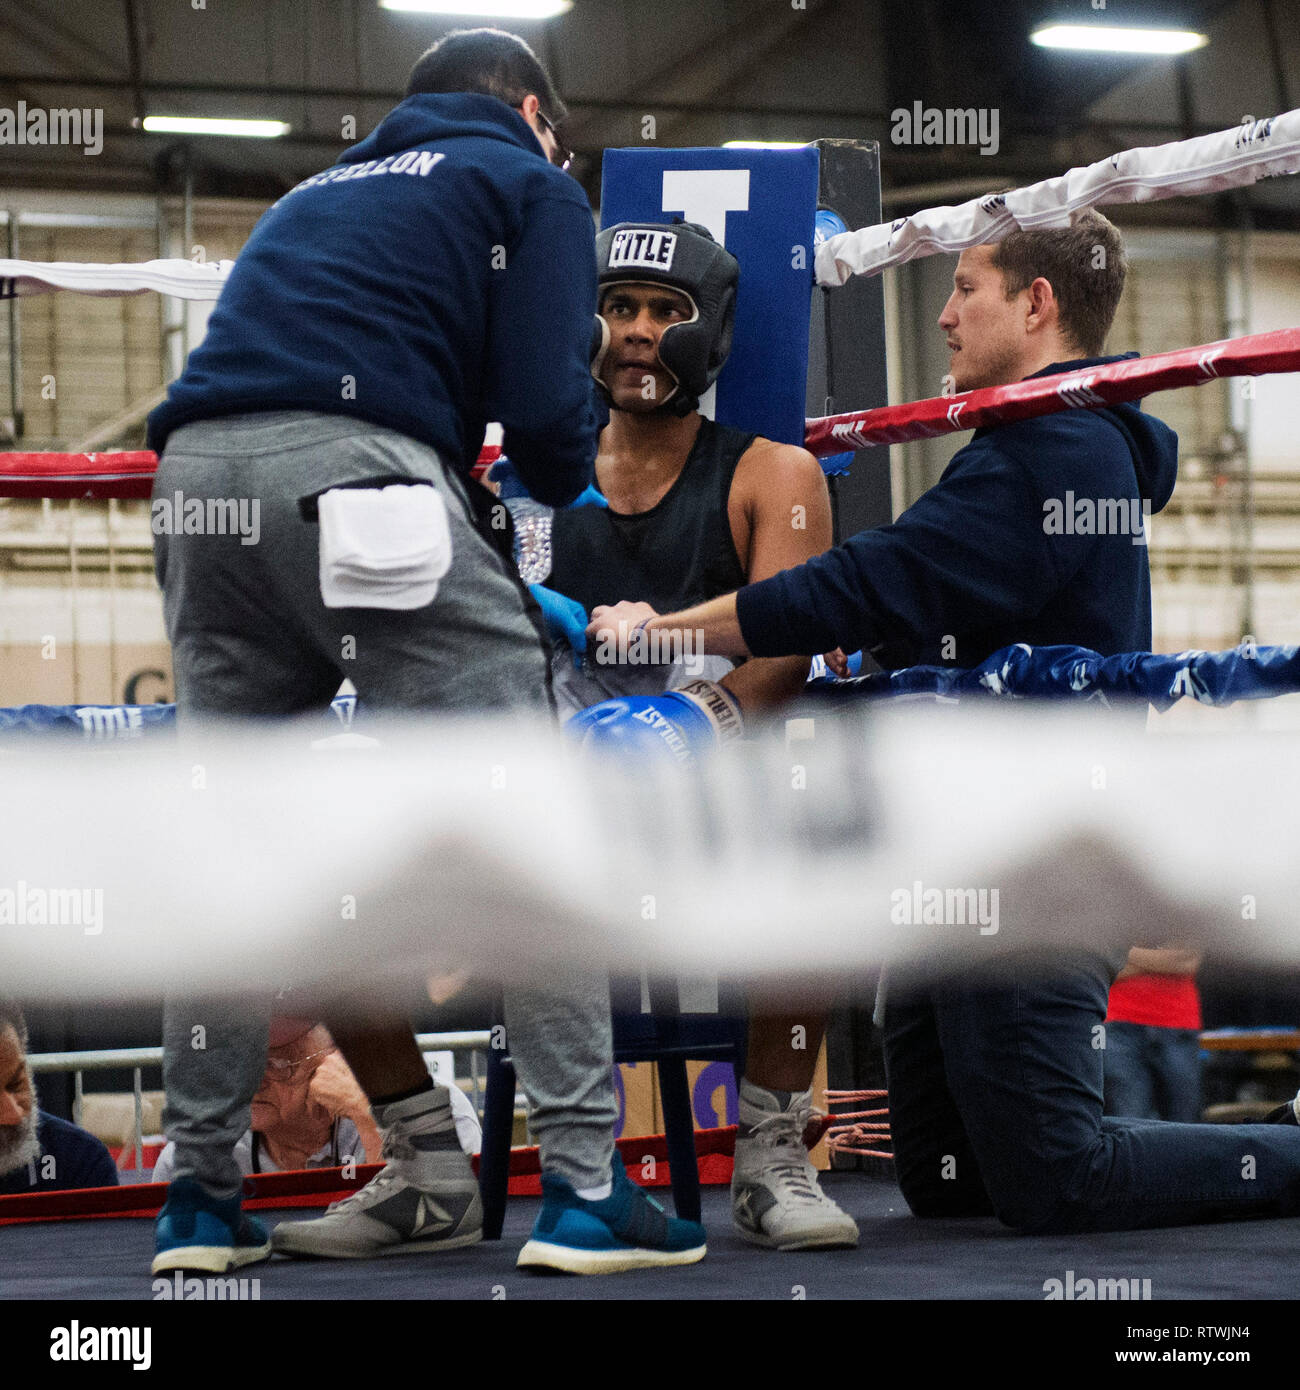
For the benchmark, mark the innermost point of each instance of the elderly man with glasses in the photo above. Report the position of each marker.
(309, 1111)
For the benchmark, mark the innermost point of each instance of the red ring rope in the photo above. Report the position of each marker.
(131, 474)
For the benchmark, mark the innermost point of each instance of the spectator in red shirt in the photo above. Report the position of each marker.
(1153, 1037)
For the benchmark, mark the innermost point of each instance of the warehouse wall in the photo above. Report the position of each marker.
(77, 623)
(80, 612)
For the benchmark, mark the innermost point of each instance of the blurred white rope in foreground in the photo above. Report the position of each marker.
(247, 858)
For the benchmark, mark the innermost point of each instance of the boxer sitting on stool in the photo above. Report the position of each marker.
(695, 509)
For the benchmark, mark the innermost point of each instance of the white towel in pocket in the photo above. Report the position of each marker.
(383, 547)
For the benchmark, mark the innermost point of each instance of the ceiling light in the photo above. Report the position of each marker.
(483, 9)
(1097, 38)
(213, 125)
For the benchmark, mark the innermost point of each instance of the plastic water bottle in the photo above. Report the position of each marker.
(532, 522)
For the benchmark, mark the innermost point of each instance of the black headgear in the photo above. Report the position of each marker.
(685, 257)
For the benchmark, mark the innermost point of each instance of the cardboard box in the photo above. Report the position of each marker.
(714, 1100)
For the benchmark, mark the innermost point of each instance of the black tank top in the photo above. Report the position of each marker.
(677, 554)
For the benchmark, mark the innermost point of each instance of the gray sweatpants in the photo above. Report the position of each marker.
(251, 637)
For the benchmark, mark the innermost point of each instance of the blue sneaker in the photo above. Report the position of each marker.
(198, 1231)
(624, 1231)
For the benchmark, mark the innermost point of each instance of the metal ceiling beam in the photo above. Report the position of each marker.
(265, 185)
(158, 143)
(112, 84)
(391, 98)
(1171, 128)
(133, 60)
(51, 36)
(761, 50)
(949, 163)
(676, 70)
(1028, 154)
(36, 32)
(1275, 54)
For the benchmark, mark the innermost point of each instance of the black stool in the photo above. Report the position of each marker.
(664, 1036)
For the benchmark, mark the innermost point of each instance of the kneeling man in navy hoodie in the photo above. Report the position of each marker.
(995, 1079)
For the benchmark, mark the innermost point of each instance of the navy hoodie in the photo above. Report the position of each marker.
(441, 275)
(1004, 548)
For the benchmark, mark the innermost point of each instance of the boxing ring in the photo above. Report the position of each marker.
(899, 1258)
(738, 867)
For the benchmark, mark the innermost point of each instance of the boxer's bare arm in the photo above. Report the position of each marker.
(776, 544)
(780, 515)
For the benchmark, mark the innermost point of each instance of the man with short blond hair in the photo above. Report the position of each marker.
(995, 1075)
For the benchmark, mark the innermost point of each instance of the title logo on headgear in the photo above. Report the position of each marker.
(643, 247)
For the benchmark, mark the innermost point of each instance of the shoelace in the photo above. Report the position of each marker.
(396, 1146)
(368, 1194)
(783, 1130)
(797, 1182)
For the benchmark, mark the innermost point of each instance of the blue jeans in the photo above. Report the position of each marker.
(995, 1099)
(1153, 1073)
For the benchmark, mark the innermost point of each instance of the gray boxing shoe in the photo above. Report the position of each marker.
(775, 1199)
(426, 1197)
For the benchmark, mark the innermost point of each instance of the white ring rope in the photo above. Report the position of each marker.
(1208, 164)
(183, 279)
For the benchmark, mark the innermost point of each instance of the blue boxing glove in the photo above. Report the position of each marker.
(680, 723)
(566, 619)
